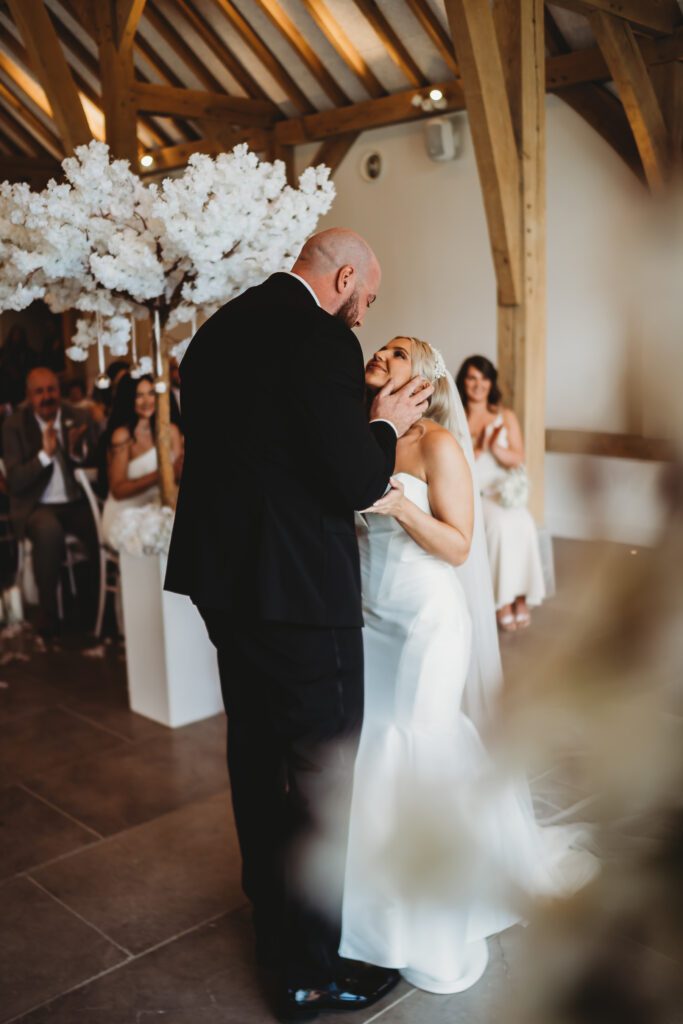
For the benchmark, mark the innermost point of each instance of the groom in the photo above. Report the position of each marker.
(278, 454)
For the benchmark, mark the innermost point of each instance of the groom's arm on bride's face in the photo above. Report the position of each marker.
(346, 453)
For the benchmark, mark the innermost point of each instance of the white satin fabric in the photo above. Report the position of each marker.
(440, 848)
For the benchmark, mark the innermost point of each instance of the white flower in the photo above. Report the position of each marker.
(102, 241)
(514, 490)
(145, 530)
(77, 353)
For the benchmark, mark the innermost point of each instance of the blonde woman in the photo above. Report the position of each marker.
(437, 840)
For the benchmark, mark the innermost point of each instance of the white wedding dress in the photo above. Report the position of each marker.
(514, 554)
(138, 466)
(442, 852)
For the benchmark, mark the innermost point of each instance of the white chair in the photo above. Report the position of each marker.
(108, 557)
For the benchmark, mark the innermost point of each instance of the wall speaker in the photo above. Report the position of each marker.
(441, 139)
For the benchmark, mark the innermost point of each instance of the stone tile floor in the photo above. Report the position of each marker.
(119, 869)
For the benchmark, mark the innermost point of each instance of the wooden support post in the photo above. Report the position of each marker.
(116, 68)
(483, 81)
(501, 54)
(522, 327)
(333, 151)
(51, 68)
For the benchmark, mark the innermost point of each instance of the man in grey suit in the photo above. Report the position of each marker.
(44, 440)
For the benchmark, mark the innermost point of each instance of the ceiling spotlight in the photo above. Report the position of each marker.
(435, 95)
(147, 160)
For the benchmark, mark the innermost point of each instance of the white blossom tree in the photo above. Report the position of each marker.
(116, 249)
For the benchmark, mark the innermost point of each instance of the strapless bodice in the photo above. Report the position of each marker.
(142, 464)
(377, 533)
(398, 576)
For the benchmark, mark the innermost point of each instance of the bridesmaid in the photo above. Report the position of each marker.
(132, 470)
(510, 531)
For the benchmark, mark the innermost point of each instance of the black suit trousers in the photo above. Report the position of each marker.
(294, 701)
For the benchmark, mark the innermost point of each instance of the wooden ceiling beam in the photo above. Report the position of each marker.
(83, 55)
(75, 47)
(36, 172)
(333, 151)
(83, 12)
(10, 149)
(432, 26)
(296, 95)
(335, 35)
(391, 42)
(182, 50)
(303, 50)
(116, 76)
(488, 106)
(394, 109)
(646, 15)
(47, 140)
(164, 99)
(667, 80)
(602, 110)
(224, 54)
(50, 66)
(598, 107)
(629, 71)
(13, 127)
(172, 157)
(127, 16)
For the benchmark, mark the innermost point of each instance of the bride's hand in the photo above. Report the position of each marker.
(392, 503)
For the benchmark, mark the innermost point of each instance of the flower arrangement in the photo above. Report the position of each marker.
(119, 250)
(514, 490)
(145, 530)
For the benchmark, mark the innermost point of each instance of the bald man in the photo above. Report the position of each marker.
(43, 442)
(279, 451)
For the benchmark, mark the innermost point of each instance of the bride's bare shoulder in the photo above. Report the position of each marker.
(437, 443)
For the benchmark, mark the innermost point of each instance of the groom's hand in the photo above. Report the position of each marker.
(403, 407)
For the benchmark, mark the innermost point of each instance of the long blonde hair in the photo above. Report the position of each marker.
(424, 360)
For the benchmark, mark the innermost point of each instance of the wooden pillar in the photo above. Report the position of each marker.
(116, 69)
(501, 54)
(522, 327)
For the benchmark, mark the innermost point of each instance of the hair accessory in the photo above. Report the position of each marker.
(440, 369)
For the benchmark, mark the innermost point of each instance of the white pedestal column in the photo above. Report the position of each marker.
(172, 666)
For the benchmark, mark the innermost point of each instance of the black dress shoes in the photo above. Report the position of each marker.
(364, 986)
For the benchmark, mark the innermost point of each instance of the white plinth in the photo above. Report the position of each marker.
(172, 666)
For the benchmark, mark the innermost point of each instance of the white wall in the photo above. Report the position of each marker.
(426, 222)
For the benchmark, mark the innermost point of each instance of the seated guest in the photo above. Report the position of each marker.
(132, 469)
(44, 441)
(75, 392)
(510, 530)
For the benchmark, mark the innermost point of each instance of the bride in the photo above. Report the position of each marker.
(441, 849)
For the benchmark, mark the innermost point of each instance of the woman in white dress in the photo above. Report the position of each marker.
(510, 530)
(132, 469)
(438, 841)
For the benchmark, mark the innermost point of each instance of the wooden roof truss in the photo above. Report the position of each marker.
(173, 77)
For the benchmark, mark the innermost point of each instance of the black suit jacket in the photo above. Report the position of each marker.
(27, 478)
(278, 454)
